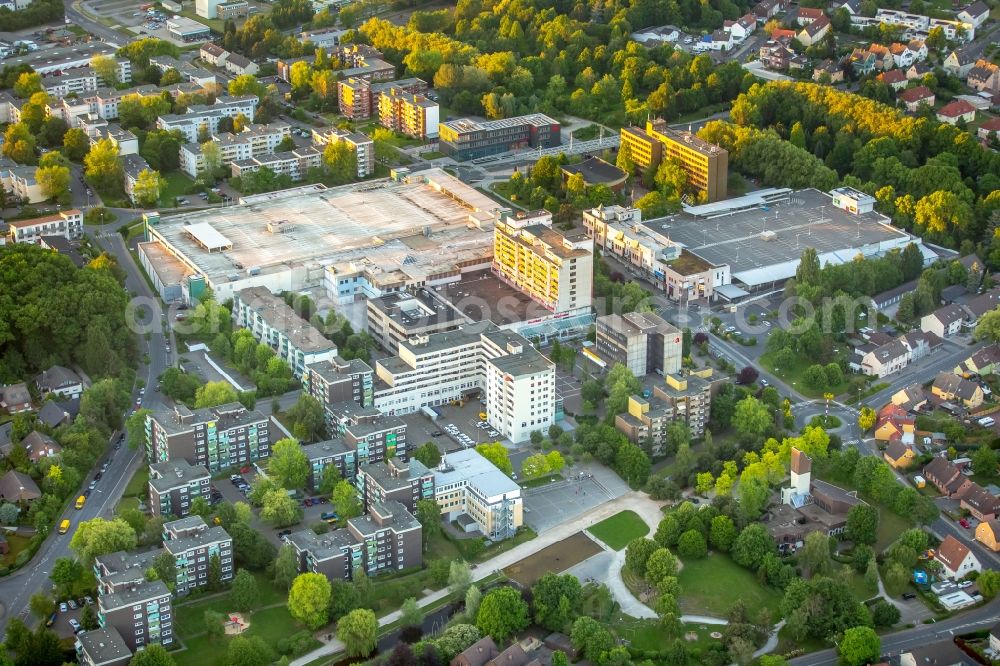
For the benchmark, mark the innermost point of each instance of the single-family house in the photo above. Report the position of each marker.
(914, 97)
(988, 534)
(478, 654)
(979, 305)
(814, 32)
(213, 54)
(742, 27)
(976, 13)
(989, 130)
(981, 503)
(830, 70)
(947, 477)
(944, 322)
(60, 381)
(40, 446)
(18, 488)
(955, 111)
(766, 9)
(52, 415)
(862, 61)
(775, 56)
(894, 78)
(959, 62)
(807, 15)
(238, 65)
(899, 455)
(722, 40)
(956, 558)
(985, 361)
(952, 388)
(894, 424)
(984, 77)
(912, 398)
(918, 70)
(15, 398)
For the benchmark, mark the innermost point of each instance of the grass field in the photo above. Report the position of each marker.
(432, 155)
(138, 485)
(793, 375)
(646, 635)
(617, 530)
(710, 585)
(542, 481)
(177, 186)
(16, 544)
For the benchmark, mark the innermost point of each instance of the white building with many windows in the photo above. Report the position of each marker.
(474, 492)
(295, 341)
(207, 116)
(516, 380)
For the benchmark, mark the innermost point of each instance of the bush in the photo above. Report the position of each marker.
(296, 644)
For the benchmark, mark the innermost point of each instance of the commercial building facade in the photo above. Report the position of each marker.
(471, 490)
(229, 435)
(641, 341)
(467, 139)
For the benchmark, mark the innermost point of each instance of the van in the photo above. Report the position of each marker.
(986, 421)
(80, 501)
(64, 526)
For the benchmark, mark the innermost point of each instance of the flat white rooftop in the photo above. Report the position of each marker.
(423, 225)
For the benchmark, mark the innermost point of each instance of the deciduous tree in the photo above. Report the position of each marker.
(502, 613)
(308, 599)
(358, 630)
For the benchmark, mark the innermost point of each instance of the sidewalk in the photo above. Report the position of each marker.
(638, 502)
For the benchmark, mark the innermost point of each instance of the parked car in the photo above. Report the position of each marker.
(75, 624)
(964, 523)
(283, 533)
(909, 595)
(72, 604)
(52, 620)
(89, 600)
(436, 433)
(235, 477)
(62, 607)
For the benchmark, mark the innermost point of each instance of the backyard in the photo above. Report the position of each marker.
(272, 623)
(617, 530)
(711, 584)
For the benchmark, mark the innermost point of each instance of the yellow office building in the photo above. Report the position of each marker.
(554, 268)
(706, 164)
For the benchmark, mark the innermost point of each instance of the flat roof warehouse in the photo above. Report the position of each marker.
(762, 236)
(285, 240)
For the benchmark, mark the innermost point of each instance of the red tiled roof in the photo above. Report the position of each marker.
(957, 108)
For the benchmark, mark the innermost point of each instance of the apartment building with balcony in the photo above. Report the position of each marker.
(65, 223)
(386, 538)
(373, 435)
(193, 545)
(334, 453)
(205, 117)
(141, 613)
(121, 570)
(354, 98)
(338, 380)
(229, 435)
(362, 145)
(174, 485)
(472, 491)
(554, 268)
(274, 323)
(465, 139)
(394, 479)
(292, 163)
(102, 647)
(643, 342)
(408, 113)
(706, 165)
(684, 398)
(255, 140)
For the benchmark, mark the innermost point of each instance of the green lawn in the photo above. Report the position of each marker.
(645, 635)
(710, 585)
(617, 530)
(542, 481)
(861, 590)
(432, 155)
(271, 624)
(177, 186)
(890, 526)
(793, 375)
(16, 544)
(189, 617)
(138, 485)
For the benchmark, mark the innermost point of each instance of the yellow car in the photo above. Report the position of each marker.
(64, 526)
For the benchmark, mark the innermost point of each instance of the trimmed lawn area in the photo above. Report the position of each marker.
(271, 624)
(542, 481)
(16, 544)
(189, 617)
(710, 585)
(138, 485)
(890, 526)
(861, 590)
(432, 155)
(645, 635)
(793, 375)
(617, 530)
(177, 186)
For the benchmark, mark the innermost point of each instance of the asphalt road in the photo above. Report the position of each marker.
(76, 17)
(892, 644)
(16, 589)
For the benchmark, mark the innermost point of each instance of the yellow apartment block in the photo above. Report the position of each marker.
(706, 164)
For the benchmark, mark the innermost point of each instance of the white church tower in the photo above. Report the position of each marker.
(798, 494)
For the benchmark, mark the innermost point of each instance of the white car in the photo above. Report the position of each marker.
(75, 624)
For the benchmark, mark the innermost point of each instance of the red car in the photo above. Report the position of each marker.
(245, 469)
(964, 523)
